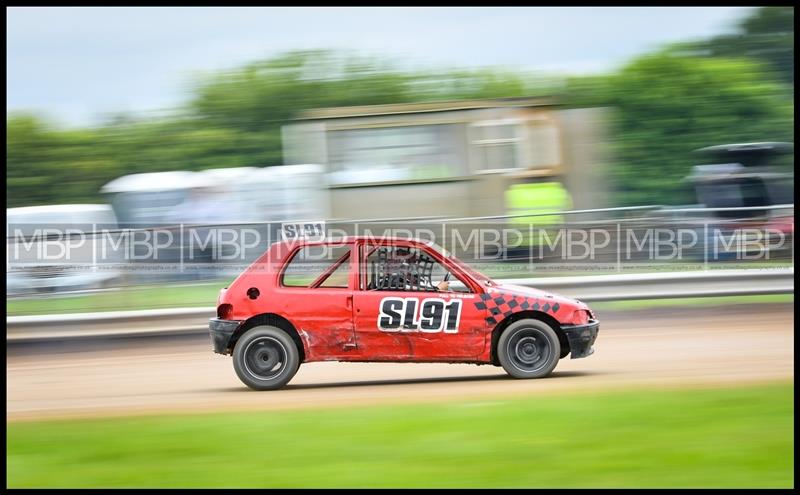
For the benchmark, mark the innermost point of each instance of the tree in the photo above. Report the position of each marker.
(667, 105)
(48, 166)
(766, 35)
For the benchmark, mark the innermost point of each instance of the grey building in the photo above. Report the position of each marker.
(449, 158)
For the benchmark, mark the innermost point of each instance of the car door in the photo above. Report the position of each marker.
(316, 287)
(396, 321)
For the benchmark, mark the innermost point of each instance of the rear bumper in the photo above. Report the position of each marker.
(581, 338)
(221, 333)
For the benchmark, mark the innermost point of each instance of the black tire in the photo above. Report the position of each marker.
(528, 349)
(265, 358)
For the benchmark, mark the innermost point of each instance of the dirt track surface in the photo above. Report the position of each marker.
(655, 348)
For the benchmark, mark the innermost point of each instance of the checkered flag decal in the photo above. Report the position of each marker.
(501, 306)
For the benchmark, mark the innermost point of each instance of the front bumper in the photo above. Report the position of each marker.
(221, 333)
(581, 338)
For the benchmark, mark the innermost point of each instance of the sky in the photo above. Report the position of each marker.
(76, 65)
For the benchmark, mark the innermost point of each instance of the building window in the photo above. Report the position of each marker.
(402, 153)
(498, 144)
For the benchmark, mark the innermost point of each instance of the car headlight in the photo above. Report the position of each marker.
(580, 317)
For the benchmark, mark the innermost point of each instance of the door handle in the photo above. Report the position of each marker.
(349, 303)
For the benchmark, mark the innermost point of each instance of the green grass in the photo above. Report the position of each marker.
(205, 295)
(125, 299)
(720, 437)
(692, 301)
(525, 270)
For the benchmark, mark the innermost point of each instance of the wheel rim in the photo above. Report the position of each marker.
(529, 350)
(265, 358)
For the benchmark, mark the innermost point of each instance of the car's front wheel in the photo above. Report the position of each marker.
(265, 358)
(528, 349)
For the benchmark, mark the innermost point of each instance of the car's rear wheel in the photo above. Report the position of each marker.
(265, 358)
(528, 349)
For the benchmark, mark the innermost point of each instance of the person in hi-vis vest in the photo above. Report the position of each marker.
(536, 196)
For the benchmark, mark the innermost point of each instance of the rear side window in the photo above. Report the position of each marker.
(318, 266)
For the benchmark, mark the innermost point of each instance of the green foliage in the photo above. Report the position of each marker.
(45, 165)
(766, 35)
(667, 105)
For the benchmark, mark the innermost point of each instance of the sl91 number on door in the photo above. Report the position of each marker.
(431, 315)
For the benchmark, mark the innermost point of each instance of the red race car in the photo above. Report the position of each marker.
(387, 299)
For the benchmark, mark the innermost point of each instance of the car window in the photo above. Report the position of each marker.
(322, 266)
(398, 268)
(340, 277)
